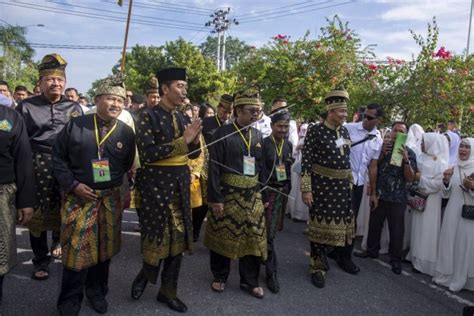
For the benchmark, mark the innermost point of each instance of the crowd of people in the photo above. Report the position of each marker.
(71, 168)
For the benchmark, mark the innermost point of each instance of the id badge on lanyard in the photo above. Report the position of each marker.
(281, 172)
(100, 170)
(249, 166)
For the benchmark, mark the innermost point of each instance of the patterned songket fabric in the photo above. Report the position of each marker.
(326, 172)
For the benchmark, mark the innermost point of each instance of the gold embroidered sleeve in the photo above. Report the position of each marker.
(196, 165)
(305, 183)
(179, 147)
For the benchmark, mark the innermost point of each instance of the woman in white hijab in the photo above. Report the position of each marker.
(414, 138)
(425, 226)
(455, 265)
(454, 141)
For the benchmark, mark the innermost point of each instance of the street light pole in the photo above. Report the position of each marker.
(469, 30)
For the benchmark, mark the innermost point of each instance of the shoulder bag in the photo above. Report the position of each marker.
(467, 210)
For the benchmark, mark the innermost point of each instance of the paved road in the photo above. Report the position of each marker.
(376, 290)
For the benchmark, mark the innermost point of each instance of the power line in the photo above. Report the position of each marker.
(269, 10)
(121, 13)
(69, 46)
(287, 11)
(165, 8)
(97, 16)
(184, 6)
(299, 12)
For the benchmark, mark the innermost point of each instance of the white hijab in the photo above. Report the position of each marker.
(469, 163)
(434, 160)
(454, 141)
(415, 135)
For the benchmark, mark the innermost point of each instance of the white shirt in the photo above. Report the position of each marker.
(362, 154)
(293, 135)
(263, 125)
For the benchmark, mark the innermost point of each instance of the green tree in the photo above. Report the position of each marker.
(235, 50)
(205, 83)
(16, 63)
(304, 70)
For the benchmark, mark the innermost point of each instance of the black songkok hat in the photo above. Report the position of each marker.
(171, 74)
(280, 115)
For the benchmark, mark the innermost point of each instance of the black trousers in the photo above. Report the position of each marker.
(93, 279)
(1, 287)
(394, 212)
(199, 214)
(169, 275)
(40, 248)
(249, 268)
(318, 255)
(357, 191)
(271, 264)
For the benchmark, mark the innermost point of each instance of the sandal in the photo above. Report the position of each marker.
(56, 251)
(221, 285)
(255, 291)
(37, 269)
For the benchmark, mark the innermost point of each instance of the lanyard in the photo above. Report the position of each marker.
(247, 144)
(99, 143)
(217, 119)
(279, 150)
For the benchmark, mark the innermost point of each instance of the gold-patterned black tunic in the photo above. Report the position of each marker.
(326, 172)
(164, 184)
(241, 230)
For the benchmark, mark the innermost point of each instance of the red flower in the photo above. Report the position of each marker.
(318, 45)
(443, 53)
(372, 66)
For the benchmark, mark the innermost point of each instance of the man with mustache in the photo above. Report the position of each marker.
(326, 188)
(278, 155)
(236, 223)
(45, 115)
(90, 157)
(165, 143)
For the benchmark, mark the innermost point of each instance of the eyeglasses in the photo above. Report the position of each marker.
(369, 117)
(254, 110)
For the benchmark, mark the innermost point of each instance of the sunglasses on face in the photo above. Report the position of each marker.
(369, 117)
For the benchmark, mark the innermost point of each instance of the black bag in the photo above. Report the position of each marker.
(467, 210)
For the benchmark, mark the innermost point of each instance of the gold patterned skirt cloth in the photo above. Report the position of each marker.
(46, 216)
(91, 231)
(174, 237)
(241, 230)
(7, 228)
(331, 217)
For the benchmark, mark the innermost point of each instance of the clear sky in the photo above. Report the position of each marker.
(101, 22)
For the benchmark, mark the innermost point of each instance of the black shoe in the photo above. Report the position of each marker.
(348, 266)
(396, 267)
(99, 305)
(468, 311)
(318, 279)
(364, 255)
(333, 255)
(273, 284)
(415, 270)
(175, 304)
(139, 285)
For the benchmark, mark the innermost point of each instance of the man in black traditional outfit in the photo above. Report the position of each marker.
(211, 124)
(165, 143)
(326, 186)
(17, 186)
(90, 157)
(278, 153)
(236, 223)
(45, 115)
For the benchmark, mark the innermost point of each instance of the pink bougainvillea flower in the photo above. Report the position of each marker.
(372, 66)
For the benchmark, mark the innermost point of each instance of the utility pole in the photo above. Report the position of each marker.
(221, 24)
(469, 30)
